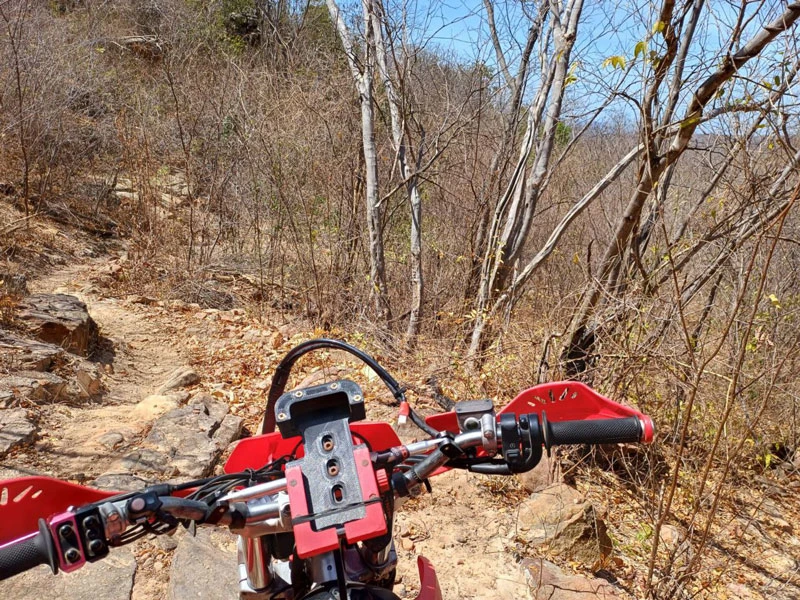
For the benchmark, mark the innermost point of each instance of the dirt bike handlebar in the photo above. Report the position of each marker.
(22, 555)
(253, 499)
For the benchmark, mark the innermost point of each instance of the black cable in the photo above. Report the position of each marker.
(362, 439)
(419, 422)
(284, 368)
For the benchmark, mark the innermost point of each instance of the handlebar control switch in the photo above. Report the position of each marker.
(521, 441)
(69, 546)
(92, 532)
(143, 506)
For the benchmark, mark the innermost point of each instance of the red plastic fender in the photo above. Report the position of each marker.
(428, 583)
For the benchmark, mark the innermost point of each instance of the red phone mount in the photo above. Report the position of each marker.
(333, 492)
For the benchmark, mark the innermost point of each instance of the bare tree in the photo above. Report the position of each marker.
(362, 62)
(511, 221)
(666, 139)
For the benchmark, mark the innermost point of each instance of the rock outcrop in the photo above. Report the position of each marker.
(59, 319)
(548, 582)
(28, 354)
(185, 442)
(50, 364)
(205, 567)
(561, 521)
(109, 579)
(17, 428)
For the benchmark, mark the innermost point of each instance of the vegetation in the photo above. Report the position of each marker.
(610, 197)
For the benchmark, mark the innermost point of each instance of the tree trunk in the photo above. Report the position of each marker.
(362, 69)
(412, 187)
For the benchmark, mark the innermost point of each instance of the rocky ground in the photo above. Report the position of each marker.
(114, 391)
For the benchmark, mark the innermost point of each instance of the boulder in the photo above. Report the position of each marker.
(28, 354)
(35, 386)
(672, 537)
(186, 441)
(156, 405)
(205, 567)
(111, 439)
(109, 579)
(60, 319)
(548, 582)
(564, 523)
(180, 377)
(16, 429)
(88, 376)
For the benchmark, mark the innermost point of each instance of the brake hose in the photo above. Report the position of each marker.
(281, 377)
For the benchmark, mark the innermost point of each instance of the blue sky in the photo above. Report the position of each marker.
(607, 28)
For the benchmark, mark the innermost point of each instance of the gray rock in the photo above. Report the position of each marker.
(111, 439)
(229, 430)
(150, 461)
(109, 579)
(60, 319)
(120, 482)
(559, 519)
(16, 429)
(186, 441)
(89, 379)
(210, 406)
(34, 386)
(28, 354)
(180, 377)
(205, 567)
(167, 542)
(548, 582)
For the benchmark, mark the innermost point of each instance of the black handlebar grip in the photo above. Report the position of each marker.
(17, 557)
(594, 431)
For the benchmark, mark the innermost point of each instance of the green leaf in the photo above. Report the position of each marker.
(640, 48)
(615, 62)
(571, 77)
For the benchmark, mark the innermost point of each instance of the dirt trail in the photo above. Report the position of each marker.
(140, 349)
